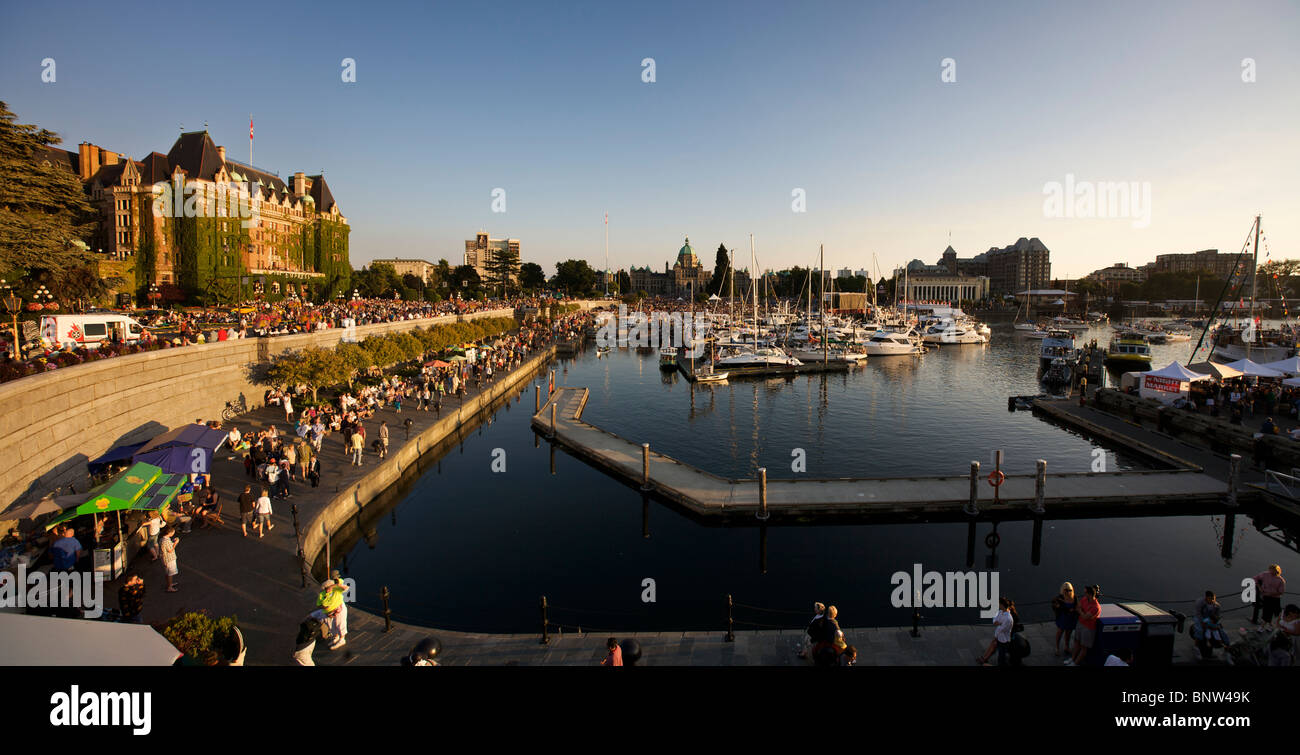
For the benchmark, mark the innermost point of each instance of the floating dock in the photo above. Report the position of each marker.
(835, 365)
(801, 500)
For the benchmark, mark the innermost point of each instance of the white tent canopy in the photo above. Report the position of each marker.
(1251, 369)
(1289, 366)
(1175, 371)
(1293, 382)
(49, 641)
(1169, 383)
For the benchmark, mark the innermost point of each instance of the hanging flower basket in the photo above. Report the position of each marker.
(51, 306)
(33, 307)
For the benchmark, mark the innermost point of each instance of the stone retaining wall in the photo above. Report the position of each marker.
(52, 424)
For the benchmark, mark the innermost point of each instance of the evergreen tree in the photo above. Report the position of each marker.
(43, 207)
(501, 270)
(720, 284)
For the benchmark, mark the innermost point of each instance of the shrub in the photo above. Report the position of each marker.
(201, 637)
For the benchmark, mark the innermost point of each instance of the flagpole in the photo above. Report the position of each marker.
(250, 139)
(607, 254)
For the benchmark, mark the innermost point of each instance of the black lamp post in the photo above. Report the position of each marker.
(13, 304)
(154, 295)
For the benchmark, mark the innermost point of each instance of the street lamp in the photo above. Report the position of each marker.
(14, 304)
(154, 295)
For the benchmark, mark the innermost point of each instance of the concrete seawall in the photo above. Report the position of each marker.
(52, 424)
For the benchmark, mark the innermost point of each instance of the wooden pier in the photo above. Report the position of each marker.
(802, 500)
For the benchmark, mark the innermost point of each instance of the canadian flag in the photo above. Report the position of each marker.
(250, 127)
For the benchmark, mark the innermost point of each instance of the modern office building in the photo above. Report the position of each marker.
(480, 251)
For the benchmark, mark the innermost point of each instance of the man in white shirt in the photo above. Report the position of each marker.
(263, 510)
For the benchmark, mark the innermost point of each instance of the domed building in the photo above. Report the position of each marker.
(686, 277)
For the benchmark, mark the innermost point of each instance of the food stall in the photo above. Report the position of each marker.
(140, 488)
(1169, 383)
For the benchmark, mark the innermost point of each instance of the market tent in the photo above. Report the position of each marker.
(185, 450)
(1251, 369)
(715, 297)
(1214, 369)
(1289, 366)
(198, 436)
(1169, 383)
(116, 454)
(47, 505)
(1293, 382)
(142, 487)
(48, 641)
(436, 363)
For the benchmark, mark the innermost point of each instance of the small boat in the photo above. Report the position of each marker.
(602, 350)
(711, 377)
(1129, 352)
(886, 343)
(1057, 344)
(668, 359)
(1058, 373)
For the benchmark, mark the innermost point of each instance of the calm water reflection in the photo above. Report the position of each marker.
(466, 548)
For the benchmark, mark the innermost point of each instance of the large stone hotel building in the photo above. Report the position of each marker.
(214, 227)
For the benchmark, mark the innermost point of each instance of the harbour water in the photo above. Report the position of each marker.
(466, 547)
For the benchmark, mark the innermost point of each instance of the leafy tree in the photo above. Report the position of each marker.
(465, 281)
(531, 276)
(314, 367)
(574, 277)
(379, 281)
(1275, 276)
(43, 207)
(720, 283)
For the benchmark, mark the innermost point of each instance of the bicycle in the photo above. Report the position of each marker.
(233, 410)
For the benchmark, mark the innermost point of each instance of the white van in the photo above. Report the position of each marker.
(89, 330)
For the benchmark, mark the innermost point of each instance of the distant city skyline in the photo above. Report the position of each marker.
(753, 110)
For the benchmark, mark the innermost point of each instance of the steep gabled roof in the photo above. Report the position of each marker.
(61, 158)
(320, 192)
(195, 153)
(154, 169)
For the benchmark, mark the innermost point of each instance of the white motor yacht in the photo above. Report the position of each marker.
(885, 343)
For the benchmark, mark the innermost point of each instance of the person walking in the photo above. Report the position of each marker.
(167, 546)
(331, 607)
(1066, 609)
(288, 408)
(264, 513)
(247, 509)
(313, 471)
(814, 631)
(383, 437)
(358, 446)
(155, 527)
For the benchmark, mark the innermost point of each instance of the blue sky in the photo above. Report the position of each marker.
(751, 101)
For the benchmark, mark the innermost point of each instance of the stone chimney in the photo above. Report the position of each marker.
(221, 153)
(299, 183)
(107, 158)
(87, 160)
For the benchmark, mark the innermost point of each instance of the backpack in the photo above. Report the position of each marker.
(815, 628)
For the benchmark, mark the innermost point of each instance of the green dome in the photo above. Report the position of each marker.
(686, 255)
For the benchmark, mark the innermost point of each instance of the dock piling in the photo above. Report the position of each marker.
(731, 620)
(1234, 479)
(762, 494)
(645, 466)
(546, 637)
(388, 615)
(537, 398)
(552, 420)
(1040, 486)
(971, 506)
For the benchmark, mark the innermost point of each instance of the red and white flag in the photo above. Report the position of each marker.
(607, 218)
(250, 127)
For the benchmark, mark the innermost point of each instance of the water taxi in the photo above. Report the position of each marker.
(1129, 352)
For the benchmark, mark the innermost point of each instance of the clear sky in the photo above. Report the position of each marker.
(751, 100)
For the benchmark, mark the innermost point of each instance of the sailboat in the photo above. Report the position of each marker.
(1250, 341)
(756, 356)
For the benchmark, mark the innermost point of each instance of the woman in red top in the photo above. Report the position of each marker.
(615, 657)
(1086, 634)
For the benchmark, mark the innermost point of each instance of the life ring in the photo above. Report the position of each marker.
(992, 540)
(997, 477)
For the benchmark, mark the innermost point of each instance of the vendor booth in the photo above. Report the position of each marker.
(1289, 367)
(183, 451)
(142, 487)
(46, 641)
(1170, 383)
(1252, 369)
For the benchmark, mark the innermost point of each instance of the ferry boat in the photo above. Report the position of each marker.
(1057, 344)
(668, 359)
(1129, 353)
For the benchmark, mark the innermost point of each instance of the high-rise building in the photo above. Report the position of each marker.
(1023, 265)
(480, 251)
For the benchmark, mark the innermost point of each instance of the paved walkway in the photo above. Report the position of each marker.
(259, 580)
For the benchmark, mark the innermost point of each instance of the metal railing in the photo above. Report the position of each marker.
(1283, 484)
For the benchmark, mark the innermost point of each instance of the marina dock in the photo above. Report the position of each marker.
(801, 500)
(688, 368)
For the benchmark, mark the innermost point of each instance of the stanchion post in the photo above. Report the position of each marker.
(537, 398)
(731, 620)
(1040, 486)
(972, 506)
(546, 637)
(552, 420)
(645, 466)
(1234, 479)
(762, 494)
(388, 615)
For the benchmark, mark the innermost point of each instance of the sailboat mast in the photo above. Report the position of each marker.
(821, 263)
(1254, 268)
(752, 266)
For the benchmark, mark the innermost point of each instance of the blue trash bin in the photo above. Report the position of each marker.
(1117, 629)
